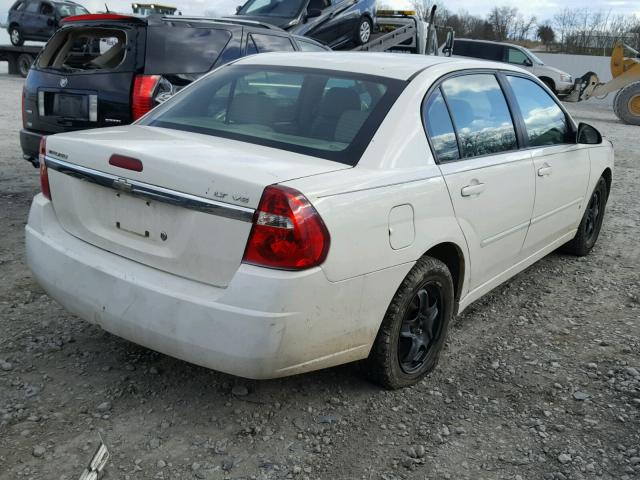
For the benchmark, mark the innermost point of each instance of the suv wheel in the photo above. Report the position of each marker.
(16, 36)
(363, 31)
(414, 329)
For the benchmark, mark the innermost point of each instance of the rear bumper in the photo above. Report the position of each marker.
(265, 324)
(30, 144)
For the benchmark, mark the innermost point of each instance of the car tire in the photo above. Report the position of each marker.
(414, 328)
(363, 31)
(626, 104)
(549, 83)
(591, 223)
(15, 36)
(24, 64)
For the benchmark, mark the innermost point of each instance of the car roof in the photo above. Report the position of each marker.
(391, 65)
(489, 41)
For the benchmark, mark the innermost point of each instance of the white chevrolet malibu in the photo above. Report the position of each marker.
(291, 212)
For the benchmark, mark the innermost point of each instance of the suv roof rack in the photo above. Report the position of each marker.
(228, 20)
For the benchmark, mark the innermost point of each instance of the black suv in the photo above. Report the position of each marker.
(38, 19)
(105, 70)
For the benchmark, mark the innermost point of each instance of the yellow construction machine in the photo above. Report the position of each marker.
(625, 71)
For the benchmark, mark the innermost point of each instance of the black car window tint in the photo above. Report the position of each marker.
(440, 129)
(461, 48)
(272, 43)
(545, 122)
(32, 7)
(480, 114)
(46, 9)
(18, 6)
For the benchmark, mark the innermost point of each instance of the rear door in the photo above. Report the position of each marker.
(561, 166)
(490, 180)
(84, 77)
(46, 20)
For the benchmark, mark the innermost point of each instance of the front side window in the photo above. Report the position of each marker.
(70, 10)
(322, 113)
(271, 43)
(440, 129)
(32, 7)
(517, 57)
(480, 114)
(545, 122)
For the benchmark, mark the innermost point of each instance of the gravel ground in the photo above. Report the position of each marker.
(540, 379)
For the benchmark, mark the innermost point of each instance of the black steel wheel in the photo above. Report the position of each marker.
(589, 228)
(414, 329)
(24, 64)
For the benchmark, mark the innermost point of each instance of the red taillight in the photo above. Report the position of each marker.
(127, 163)
(44, 173)
(287, 232)
(142, 97)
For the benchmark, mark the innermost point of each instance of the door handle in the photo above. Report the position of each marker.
(473, 189)
(545, 170)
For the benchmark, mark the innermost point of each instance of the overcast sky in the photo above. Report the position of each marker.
(543, 9)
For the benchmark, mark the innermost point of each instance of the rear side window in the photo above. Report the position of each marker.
(545, 122)
(440, 129)
(322, 113)
(271, 43)
(46, 9)
(70, 9)
(86, 49)
(175, 49)
(480, 114)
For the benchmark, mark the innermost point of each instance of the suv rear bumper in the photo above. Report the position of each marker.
(30, 144)
(264, 324)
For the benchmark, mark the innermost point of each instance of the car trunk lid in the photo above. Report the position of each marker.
(189, 210)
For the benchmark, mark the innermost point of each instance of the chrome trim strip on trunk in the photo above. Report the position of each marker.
(151, 192)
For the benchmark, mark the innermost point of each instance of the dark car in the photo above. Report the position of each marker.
(106, 70)
(335, 22)
(38, 19)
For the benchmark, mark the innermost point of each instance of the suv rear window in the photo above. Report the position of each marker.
(87, 48)
(322, 113)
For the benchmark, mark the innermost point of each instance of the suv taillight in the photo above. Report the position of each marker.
(144, 87)
(287, 232)
(44, 173)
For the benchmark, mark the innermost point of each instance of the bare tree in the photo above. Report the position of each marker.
(502, 19)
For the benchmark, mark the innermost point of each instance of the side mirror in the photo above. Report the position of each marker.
(314, 12)
(448, 44)
(238, 8)
(588, 135)
(528, 62)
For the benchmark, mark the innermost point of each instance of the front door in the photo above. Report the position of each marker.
(561, 165)
(490, 181)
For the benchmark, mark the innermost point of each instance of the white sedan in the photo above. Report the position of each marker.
(291, 212)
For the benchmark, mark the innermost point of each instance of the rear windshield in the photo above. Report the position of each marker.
(89, 48)
(183, 48)
(323, 113)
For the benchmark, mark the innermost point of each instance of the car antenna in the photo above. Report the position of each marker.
(107, 8)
